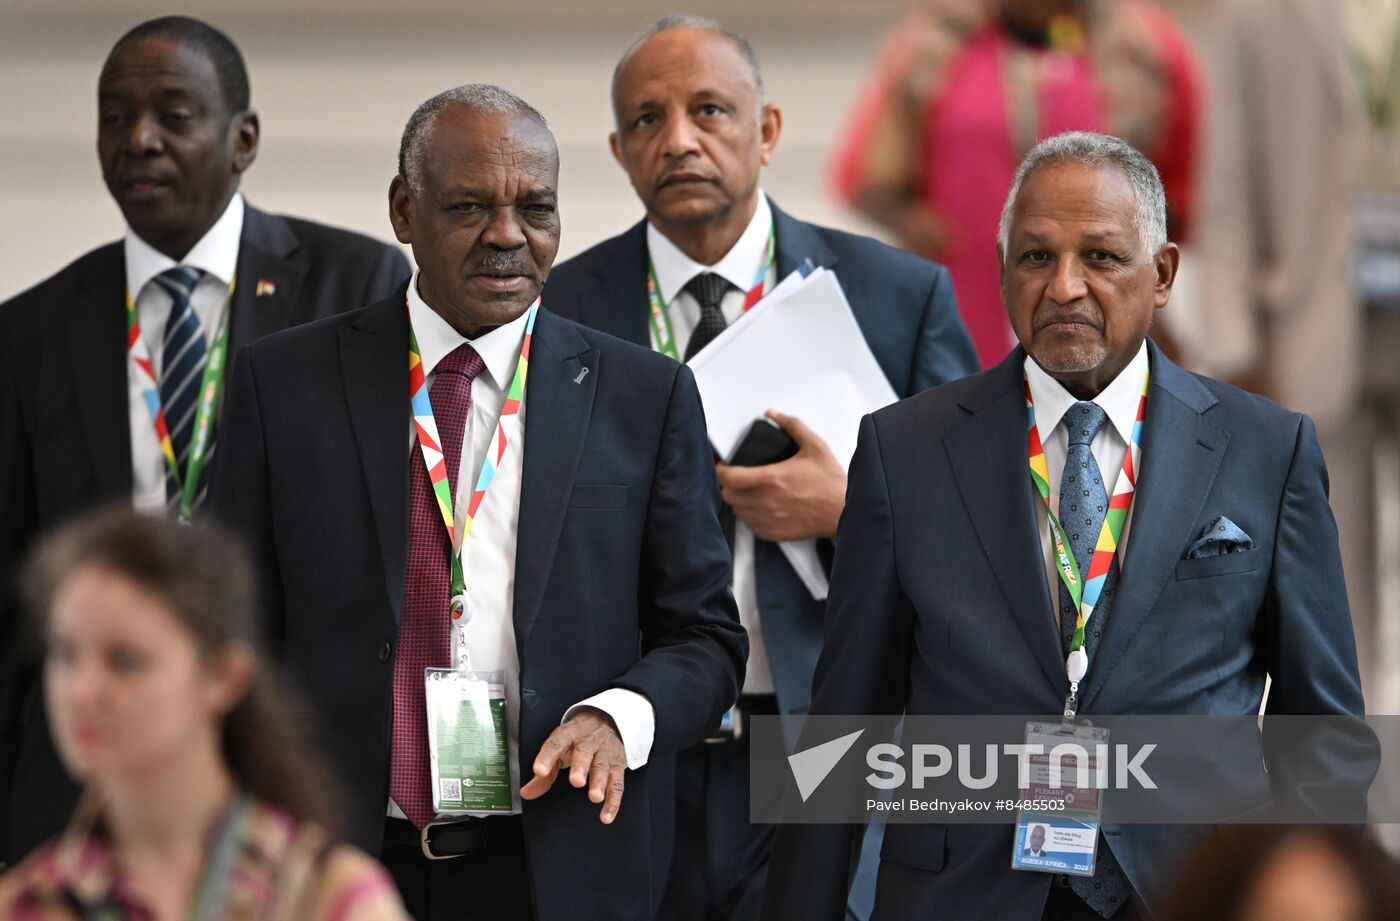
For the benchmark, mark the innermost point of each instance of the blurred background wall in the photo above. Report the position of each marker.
(335, 80)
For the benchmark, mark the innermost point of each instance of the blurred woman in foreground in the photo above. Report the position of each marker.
(200, 801)
(1286, 873)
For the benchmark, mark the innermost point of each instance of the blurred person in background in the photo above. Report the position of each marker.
(200, 800)
(964, 88)
(1301, 142)
(1286, 873)
(110, 367)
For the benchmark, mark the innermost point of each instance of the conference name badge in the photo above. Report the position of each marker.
(1061, 791)
(468, 741)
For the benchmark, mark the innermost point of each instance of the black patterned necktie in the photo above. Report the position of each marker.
(709, 290)
(1083, 507)
(183, 356)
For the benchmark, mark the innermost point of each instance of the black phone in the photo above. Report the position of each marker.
(764, 443)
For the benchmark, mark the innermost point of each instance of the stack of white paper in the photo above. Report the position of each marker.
(799, 351)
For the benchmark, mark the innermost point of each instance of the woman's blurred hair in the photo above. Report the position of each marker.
(1220, 878)
(203, 576)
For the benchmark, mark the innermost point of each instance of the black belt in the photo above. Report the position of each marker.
(462, 838)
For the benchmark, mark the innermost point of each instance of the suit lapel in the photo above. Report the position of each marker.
(988, 457)
(270, 275)
(1181, 454)
(374, 369)
(95, 330)
(620, 306)
(558, 406)
(796, 242)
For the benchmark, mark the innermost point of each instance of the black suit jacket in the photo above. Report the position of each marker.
(622, 572)
(65, 440)
(907, 312)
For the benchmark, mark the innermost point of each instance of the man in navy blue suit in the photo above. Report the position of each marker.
(692, 132)
(565, 470)
(947, 594)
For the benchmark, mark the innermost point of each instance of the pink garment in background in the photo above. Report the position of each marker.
(969, 163)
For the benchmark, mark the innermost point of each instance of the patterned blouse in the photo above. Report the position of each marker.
(263, 866)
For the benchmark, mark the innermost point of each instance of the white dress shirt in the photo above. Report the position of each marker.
(1119, 400)
(216, 255)
(488, 553)
(739, 266)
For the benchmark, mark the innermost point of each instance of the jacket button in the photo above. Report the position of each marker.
(384, 652)
(527, 697)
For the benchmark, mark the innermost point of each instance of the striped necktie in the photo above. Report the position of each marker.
(183, 357)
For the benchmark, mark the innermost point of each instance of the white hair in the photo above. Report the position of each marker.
(1097, 151)
(482, 98)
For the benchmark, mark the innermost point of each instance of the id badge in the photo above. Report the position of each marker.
(468, 742)
(1057, 822)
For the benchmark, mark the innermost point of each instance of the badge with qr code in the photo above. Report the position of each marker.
(468, 744)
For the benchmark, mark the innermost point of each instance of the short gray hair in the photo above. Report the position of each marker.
(1097, 151)
(482, 98)
(687, 21)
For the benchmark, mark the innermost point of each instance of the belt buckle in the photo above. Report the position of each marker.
(427, 847)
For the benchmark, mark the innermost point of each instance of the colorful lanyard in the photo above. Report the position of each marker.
(210, 386)
(211, 898)
(430, 445)
(1085, 591)
(661, 316)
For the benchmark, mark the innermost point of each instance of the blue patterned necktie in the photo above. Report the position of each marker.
(1083, 505)
(183, 357)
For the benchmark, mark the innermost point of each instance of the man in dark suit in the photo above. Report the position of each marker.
(593, 570)
(175, 133)
(1035, 842)
(948, 595)
(692, 132)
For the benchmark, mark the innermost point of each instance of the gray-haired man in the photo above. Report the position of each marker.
(947, 476)
(416, 503)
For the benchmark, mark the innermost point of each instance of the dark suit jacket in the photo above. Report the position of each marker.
(65, 443)
(940, 604)
(622, 573)
(906, 309)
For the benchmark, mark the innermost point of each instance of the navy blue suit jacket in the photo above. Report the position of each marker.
(621, 580)
(65, 441)
(906, 310)
(940, 604)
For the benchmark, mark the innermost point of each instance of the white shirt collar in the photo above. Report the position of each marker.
(739, 266)
(1119, 399)
(216, 253)
(498, 348)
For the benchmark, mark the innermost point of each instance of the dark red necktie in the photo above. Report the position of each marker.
(424, 630)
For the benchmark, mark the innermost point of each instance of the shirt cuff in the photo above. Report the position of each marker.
(634, 717)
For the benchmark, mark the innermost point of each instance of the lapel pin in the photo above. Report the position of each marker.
(266, 287)
(581, 375)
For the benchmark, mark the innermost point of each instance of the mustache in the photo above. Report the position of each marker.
(683, 164)
(1073, 312)
(506, 263)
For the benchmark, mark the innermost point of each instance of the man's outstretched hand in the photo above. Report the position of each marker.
(589, 747)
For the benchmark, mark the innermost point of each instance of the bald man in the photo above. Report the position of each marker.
(694, 132)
